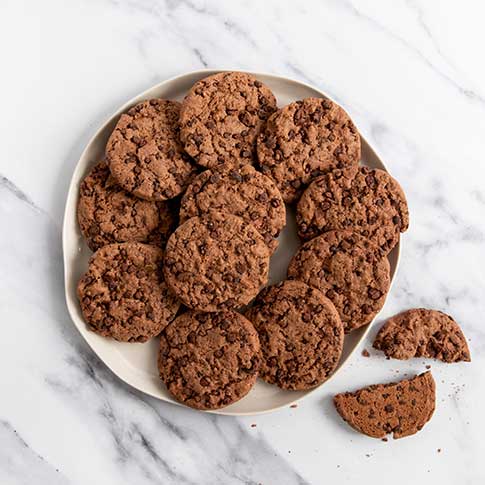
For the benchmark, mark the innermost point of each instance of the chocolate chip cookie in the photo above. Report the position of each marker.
(107, 213)
(304, 140)
(216, 262)
(145, 154)
(423, 333)
(401, 408)
(349, 270)
(301, 335)
(221, 117)
(209, 360)
(123, 294)
(168, 221)
(370, 202)
(242, 191)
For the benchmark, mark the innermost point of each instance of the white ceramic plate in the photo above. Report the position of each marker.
(136, 363)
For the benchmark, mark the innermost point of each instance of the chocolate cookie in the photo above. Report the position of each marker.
(216, 262)
(401, 408)
(241, 191)
(301, 335)
(370, 202)
(209, 360)
(423, 333)
(221, 117)
(145, 154)
(304, 140)
(168, 221)
(349, 270)
(107, 214)
(123, 295)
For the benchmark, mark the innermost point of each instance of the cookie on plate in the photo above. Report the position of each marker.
(423, 333)
(370, 202)
(301, 335)
(106, 213)
(242, 191)
(216, 262)
(349, 270)
(123, 295)
(209, 360)
(168, 221)
(145, 154)
(304, 140)
(401, 408)
(221, 117)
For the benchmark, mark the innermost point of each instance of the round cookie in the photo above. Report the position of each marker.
(370, 202)
(221, 117)
(216, 262)
(304, 140)
(123, 295)
(349, 270)
(107, 213)
(168, 221)
(209, 360)
(301, 335)
(242, 191)
(145, 154)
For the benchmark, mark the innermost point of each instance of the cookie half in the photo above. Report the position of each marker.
(304, 140)
(209, 360)
(242, 191)
(423, 333)
(369, 201)
(221, 117)
(216, 262)
(349, 270)
(123, 294)
(301, 335)
(401, 408)
(145, 154)
(107, 213)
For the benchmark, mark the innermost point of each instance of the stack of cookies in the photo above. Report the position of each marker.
(184, 213)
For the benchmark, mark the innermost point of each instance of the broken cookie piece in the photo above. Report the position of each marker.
(423, 333)
(401, 408)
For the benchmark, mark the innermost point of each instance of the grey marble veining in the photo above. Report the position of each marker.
(409, 72)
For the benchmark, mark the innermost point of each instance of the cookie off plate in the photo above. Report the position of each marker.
(136, 363)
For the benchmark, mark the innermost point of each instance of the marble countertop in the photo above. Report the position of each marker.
(411, 74)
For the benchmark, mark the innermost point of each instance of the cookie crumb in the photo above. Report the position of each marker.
(439, 450)
(365, 353)
(294, 406)
(253, 425)
(428, 367)
(384, 439)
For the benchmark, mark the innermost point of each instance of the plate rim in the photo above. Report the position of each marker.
(71, 194)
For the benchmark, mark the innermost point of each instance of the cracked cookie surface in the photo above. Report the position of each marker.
(242, 191)
(401, 408)
(123, 295)
(370, 202)
(423, 333)
(221, 117)
(301, 335)
(107, 214)
(145, 154)
(349, 270)
(305, 139)
(209, 360)
(216, 261)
